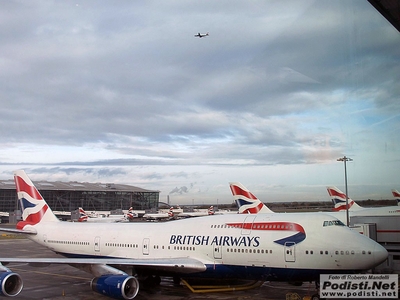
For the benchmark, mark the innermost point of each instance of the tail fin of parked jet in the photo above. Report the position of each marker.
(396, 194)
(171, 212)
(131, 214)
(34, 207)
(83, 217)
(339, 200)
(247, 203)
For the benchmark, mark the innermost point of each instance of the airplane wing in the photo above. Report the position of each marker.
(180, 264)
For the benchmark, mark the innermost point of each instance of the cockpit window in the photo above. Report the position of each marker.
(333, 223)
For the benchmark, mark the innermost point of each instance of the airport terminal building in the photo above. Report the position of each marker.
(68, 196)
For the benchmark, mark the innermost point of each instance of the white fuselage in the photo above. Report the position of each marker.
(157, 216)
(108, 219)
(376, 211)
(262, 246)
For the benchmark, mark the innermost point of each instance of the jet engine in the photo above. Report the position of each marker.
(116, 286)
(10, 284)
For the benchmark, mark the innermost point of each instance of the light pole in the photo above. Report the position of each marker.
(346, 159)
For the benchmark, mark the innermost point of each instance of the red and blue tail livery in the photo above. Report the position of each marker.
(34, 208)
(83, 217)
(396, 195)
(339, 200)
(246, 202)
(131, 214)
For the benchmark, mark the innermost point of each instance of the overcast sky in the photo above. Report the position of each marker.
(122, 91)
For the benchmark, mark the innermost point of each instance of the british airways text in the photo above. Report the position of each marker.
(204, 240)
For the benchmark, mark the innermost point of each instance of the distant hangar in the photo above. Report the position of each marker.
(68, 196)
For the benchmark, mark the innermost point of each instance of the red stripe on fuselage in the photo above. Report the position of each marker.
(281, 226)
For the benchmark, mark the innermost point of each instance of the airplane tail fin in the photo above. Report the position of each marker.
(211, 210)
(34, 207)
(396, 194)
(171, 212)
(83, 217)
(247, 203)
(131, 214)
(339, 200)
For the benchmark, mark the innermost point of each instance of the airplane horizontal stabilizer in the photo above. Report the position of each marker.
(19, 231)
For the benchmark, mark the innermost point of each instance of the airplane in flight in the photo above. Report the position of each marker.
(160, 216)
(396, 194)
(201, 35)
(84, 217)
(339, 201)
(276, 247)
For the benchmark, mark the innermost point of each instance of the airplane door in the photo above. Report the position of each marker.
(217, 252)
(248, 224)
(146, 246)
(97, 244)
(290, 251)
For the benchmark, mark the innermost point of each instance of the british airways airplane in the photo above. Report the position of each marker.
(201, 35)
(160, 216)
(385, 218)
(248, 203)
(84, 217)
(396, 194)
(276, 247)
(339, 201)
(190, 214)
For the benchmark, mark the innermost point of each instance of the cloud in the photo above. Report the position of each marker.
(181, 190)
(124, 92)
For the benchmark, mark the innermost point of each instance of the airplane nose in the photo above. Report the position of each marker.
(380, 254)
